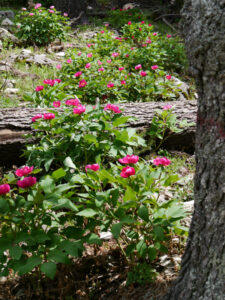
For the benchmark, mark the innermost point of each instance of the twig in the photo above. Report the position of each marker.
(167, 15)
(167, 23)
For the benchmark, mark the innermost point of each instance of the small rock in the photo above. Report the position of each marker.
(9, 83)
(61, 54)
(189, 206)
(6, 35)
(7, 14)
(3, 279)
(177, 259)
(106, 235)
(41, 59)
(11, 91)
(7, 22)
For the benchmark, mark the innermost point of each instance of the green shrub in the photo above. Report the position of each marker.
(41, 26)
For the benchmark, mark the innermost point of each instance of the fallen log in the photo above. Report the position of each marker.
(15, 122)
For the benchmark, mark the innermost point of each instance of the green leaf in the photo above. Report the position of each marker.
(159, 233)
(16, 252)
(120, 121)
(103, 174)
(31, 263)
(73, 248)
(48, 163)
(116, 228)
(49, 269)
(152, 252)
(130, 194)
(47, 184)
(65, 203)
(141, 248)
(59, 173)
(4, 205)
(171, 179)
(93, 239)
(77, 179)
(69, 163)
(88, 212)
(90, 138)
(58, 256)
(143, 213)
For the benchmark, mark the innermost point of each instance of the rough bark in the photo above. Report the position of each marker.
(202, 274)
(15, 122)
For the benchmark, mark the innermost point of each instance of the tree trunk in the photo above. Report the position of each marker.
(73, 7)
(14, 122)
(202, 274)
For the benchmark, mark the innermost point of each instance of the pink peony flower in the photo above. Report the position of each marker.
(109, 61)
(106, 25)
(59, 66)
(56, 103)
(79, 110)
(142, 22)
(140, 29)
(49, 116)
(73, 102)
(38, 116)
(115, 54)
(169, 36)
(78, 74)
(79, 53)
(138, 67)
(149, 25)
(39, 88)
(102, 31)
(113, 108)
(129, 159)
(168, 77)
(23, 8)
(110, 85)
(101, 69)
(4, 189)
(40, 11)
(82, 83)
(155, 67)
(94, 167)
(31, 14)
(148, 41)
(88, 66)
(99, 63)
(57, 80)
(144, 45)
(27, 182)
(155, 33)
(51, 11)
(50, 81)
(127, 55)
(132, 48)
(52, 7)
(69, 61)
(37, 5)
(167, 107)
(123, 82)
(161, 161)
(143, 73)
(89, 55)
(127, 172)
(24, 171)
(65, 14)
(121, 68)
(129, 23)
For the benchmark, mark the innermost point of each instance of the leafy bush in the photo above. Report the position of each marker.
(41, 26)
(48, 219)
